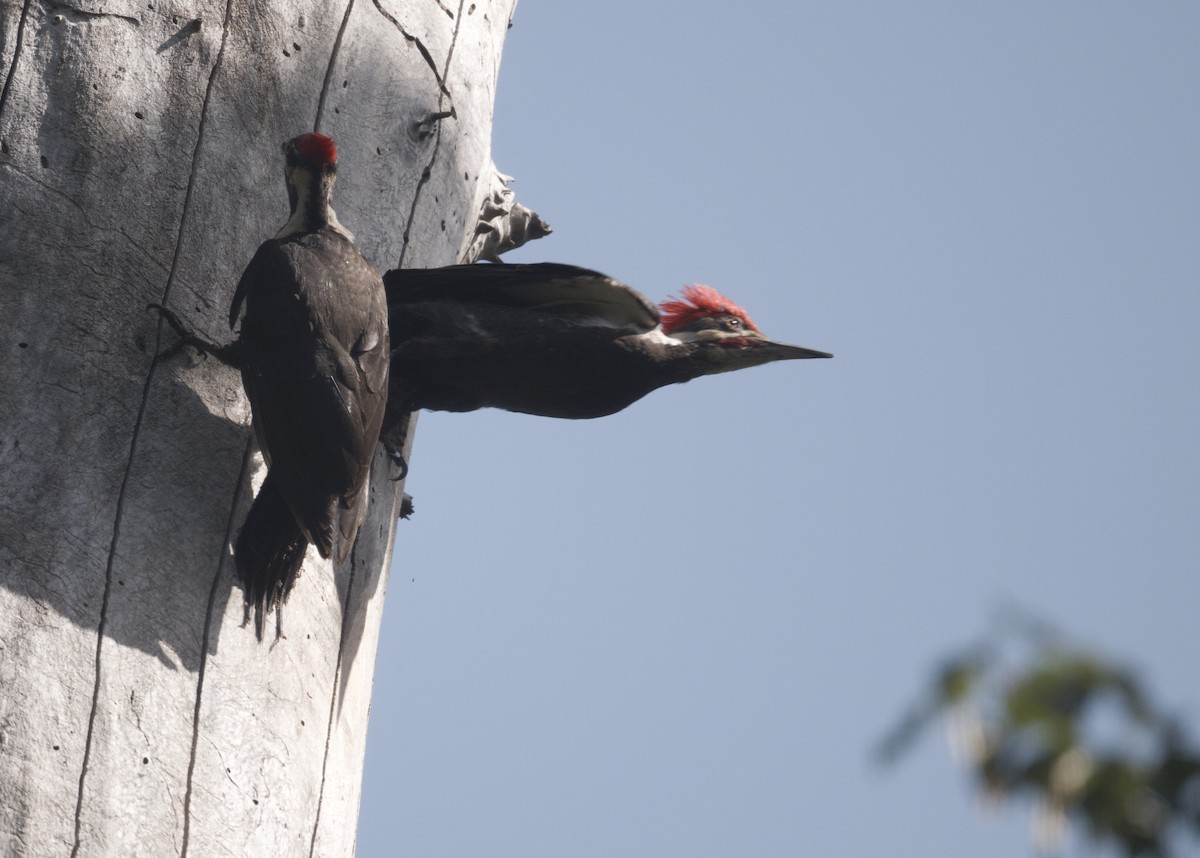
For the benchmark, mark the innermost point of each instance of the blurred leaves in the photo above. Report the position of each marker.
(1034, 718)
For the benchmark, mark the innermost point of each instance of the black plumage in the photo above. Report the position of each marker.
(313, 352)
(551, 340)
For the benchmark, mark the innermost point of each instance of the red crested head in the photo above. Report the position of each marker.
(316, 150)
(698, 302)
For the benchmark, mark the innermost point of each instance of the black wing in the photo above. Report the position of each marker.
(581, 294)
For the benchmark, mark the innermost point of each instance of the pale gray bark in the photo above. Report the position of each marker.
(140, 162)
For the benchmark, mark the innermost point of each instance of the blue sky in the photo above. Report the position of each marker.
(681, 629)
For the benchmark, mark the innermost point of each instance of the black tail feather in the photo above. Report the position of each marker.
(270, 550)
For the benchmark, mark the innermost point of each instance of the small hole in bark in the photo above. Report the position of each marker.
(443, 226)
(45, 163)
(285, 52)
(56, 747)
(254, 800)
(295, 47)
(138, 114)
(4, 146)
(145, 761)
(345, 84)
(23, 345)
(119, 581)
(337, 110)
(471, 9)
(378, 151)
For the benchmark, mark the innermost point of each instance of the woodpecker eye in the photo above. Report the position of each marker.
(733, 324)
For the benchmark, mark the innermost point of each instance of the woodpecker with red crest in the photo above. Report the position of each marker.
(314, 361)
(313, 353)
(555, 340)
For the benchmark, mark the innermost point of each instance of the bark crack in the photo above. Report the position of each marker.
(333, 697)
(427, 173)
(12, 67)
(333, 55)
(218, 576)
(413, 40)
(133, 443)
(76, 14)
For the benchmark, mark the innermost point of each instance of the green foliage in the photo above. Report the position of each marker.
(1027, 713)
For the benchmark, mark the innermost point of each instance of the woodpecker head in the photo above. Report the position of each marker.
(723, 330)
(310, 167)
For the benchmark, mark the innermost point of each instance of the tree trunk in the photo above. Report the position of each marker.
(140, 162)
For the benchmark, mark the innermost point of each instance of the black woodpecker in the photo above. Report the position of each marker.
(555, 340)
(313, 352)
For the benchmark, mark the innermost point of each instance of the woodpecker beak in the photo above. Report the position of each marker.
(760, 349)
(784, 351)
(753, 349)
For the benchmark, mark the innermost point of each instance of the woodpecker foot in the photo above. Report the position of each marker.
(398, 460)
(227, 355)
(406, 506)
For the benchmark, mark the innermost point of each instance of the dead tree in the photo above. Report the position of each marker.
(140, 163)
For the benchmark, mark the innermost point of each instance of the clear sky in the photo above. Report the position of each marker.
(680, 630)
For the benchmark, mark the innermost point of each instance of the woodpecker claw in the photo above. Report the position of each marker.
(188, 337)
(398, 460)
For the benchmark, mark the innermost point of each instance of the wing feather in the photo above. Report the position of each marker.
(581, 294)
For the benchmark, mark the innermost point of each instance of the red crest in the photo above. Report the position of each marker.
(317, 149)
(696, 302)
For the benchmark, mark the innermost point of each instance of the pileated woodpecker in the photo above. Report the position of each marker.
(313, 353)
(555, 340)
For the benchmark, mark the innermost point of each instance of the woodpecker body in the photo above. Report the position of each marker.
(555, 340)
(313, 352)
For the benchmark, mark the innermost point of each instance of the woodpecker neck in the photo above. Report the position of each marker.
(309, 192)
(676, 360)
